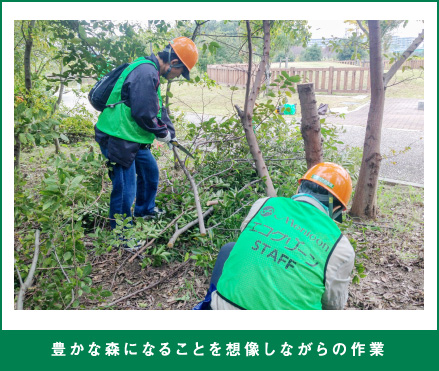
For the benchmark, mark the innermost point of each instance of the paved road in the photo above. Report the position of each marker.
(399, 113)
(403, 126)
(400, 164)
(408, 166)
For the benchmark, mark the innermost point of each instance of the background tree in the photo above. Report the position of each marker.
(351, 50)
(312, 54)
(364, 203)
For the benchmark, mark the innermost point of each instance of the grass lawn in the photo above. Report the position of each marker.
(407, 84)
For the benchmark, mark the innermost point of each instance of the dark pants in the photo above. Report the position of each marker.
(139, 181)
(219, 264)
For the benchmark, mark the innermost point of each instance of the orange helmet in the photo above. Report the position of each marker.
(186, 51)
(334, 178)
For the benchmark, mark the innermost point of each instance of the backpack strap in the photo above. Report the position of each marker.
(127, 71)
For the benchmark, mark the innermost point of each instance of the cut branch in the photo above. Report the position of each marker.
(196, 196)
(24, 287)
(180, 231)
(163, 231)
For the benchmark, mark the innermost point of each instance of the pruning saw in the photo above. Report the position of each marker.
(181, 148)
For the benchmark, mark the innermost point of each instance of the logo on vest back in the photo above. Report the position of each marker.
(267, 211)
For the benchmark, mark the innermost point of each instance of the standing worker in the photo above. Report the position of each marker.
(126, 129)
(290, 254)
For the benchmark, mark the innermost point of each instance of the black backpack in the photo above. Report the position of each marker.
(101, 91)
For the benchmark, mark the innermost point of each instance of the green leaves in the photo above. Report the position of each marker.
(106, 293)
(213, 46)
(76, 182)
(67, 256)
(22, 138)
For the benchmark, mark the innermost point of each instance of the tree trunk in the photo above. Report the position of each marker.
(246, 116)
(267, 78)
(27, 54)
(57, 146)
(310, 125)
(55, 107)
(17, 151)
(365, 200)
(27, 84)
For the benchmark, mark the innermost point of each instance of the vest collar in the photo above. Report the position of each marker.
(304, 197)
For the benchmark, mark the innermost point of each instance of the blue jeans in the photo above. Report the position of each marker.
(223, 255)
(127, 187)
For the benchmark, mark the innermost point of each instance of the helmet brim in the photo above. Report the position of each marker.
(186, 73)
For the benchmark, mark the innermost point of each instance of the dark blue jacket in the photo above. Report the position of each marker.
(140, 94)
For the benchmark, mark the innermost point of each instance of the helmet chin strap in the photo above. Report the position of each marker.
(167, 72)
(333, 215)
(178, 65)
(169, 60)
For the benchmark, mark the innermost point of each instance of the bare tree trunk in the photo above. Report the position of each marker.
(27, 83)
(27, 54)
(17, 151)
(365, 200)
(310, 125)
(267, 77)
(246, 116)
(56, 105)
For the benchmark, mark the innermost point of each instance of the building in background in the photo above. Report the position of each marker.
(400, 44)
(322, 43)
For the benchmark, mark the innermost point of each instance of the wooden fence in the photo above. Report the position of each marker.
(414, 64)
(352, 79)
(329, 80)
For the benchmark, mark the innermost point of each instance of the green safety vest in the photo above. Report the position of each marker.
(280, 258)
(117, 121)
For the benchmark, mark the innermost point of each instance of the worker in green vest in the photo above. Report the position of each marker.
(290, 254)
(133, 119)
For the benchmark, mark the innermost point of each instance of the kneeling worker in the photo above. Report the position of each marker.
(290, 254)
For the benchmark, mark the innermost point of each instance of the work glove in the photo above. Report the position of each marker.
(166, 139)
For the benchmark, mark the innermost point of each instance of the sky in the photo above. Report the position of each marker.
(328, 28)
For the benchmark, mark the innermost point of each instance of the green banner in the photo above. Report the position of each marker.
(70, 350)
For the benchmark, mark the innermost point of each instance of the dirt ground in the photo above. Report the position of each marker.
(394, 269)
